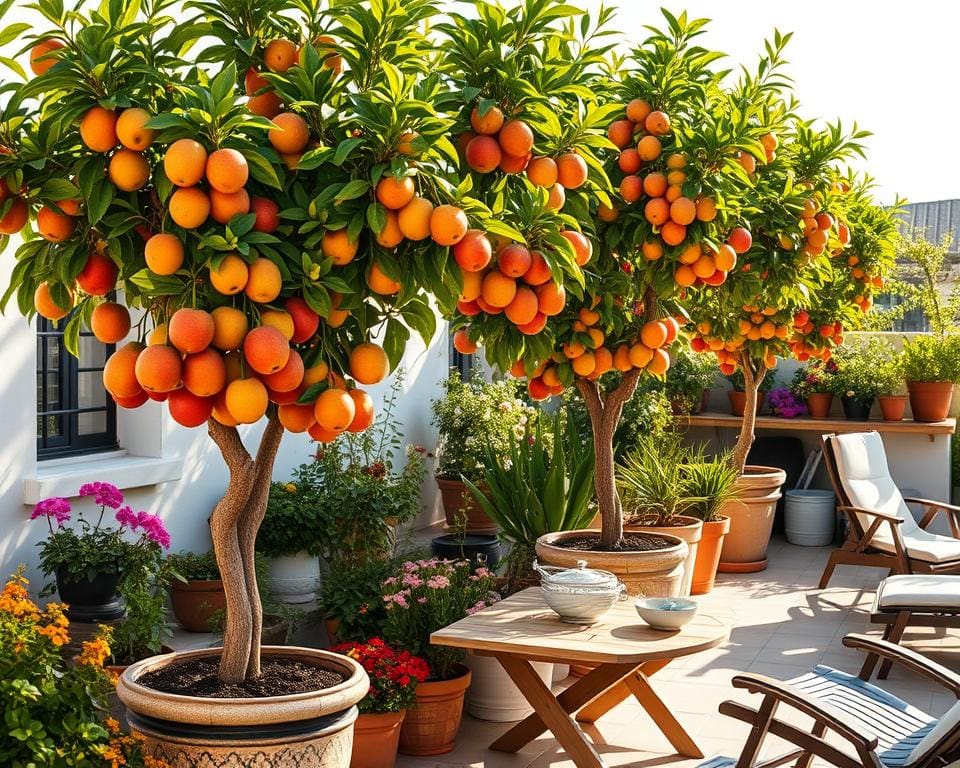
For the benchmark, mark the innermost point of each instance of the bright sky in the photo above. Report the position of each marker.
(891, 67)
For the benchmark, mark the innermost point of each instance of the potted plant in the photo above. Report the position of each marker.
(394, 678)
(421, 597)
(687, 382)
(196, 595)
(651, 483)
(470, 416)
(931, 367)
(711, 484)
(738, 396)
(291, 538)
(859, 375)
(785, 404)
(814, 385)
(890, 384)
(351, 600)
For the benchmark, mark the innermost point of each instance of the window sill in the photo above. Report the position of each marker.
(62, 477)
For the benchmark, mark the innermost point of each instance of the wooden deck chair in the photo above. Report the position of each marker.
(882, 531)
(875, 728)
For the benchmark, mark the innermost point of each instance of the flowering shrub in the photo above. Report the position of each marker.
(427, 595)
(784, 403)
(865, 369)
(394, 676)
(50, 707)
(815, 378)
(472, 416)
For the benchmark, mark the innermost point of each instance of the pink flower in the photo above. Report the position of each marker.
(412, 580)
(422, 600)
(154, 529)
(438, 582)
(104, 494)
(55, 507)
(126, 516)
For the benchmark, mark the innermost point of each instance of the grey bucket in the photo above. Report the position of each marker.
(810, 517)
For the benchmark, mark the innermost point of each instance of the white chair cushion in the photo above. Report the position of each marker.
(947, 723)
(930, 547)
(862, 467)
(918, 592)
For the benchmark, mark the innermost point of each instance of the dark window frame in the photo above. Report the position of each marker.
(70, 442)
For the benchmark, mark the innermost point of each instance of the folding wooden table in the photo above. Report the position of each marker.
(623, 651)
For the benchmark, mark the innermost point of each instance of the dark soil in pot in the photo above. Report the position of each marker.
(452, 546)
(632, 542)
(280, 676)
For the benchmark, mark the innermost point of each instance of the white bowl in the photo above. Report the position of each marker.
(666, 613)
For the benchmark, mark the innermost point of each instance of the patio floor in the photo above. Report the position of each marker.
(785, 626)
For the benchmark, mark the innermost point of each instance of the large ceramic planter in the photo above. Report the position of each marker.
(690, 529)
(91, 600)
(304, 730)
(751, 519)
(708, 555)
(456, 496)
(295, 578)
(658, 573)
(930, 400)
(493, 696)
(892, 407)
(818, 405)
(855, 409)
(738, 401)
(430, 728)
(478, 548)
(375, 739)
(196, 602)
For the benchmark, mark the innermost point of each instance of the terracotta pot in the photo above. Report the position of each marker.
(453, 498)
(818, 405)
(892, 407)
(690, 530)
(751, 520)
(930, 400)
(307, 730)
(375, 739)
(431, 727)
(738, 401)
(333, 628)
(708, 555)
(652, 574)
(195, 603)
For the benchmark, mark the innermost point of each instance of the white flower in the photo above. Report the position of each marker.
(506, 405)
(457, 411)
(507, 463)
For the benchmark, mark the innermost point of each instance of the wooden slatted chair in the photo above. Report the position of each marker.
(877, 729)
(882, 532)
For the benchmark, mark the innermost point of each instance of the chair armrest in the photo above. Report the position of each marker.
(934, 508)
(872, 512)
(823, 713)
(907, 658)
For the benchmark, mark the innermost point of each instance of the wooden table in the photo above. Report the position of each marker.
(623, 651)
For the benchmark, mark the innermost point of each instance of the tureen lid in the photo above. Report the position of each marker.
(581, 576)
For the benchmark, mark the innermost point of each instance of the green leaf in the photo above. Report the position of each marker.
(395, 341)
(260, 167)
(352, 190)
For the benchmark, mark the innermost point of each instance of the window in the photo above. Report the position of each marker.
(75, 415)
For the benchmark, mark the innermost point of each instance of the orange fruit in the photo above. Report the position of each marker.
(119, 372)
(185, 162)
(631, 188)
(279, 319)
(204, 373)
(516, 138)
(230, 276)
(224, 206)
(640, 355)
(246, 400)
(414, 219)
(652, 250)
(369, 363)
(514, 260)
(405, 143)
(131, 130)
(40, 60)
(740, 239)
(649, 148)
(524, 306)
(673, 233)
(657, 123)
(571, 170)
(655, 184)
(322, 434)
(462, 343)
(657, 211)
(190, 330)
(621, 359)
(539, 271)
(690, 254)
(334, 409)
(158, 335)
(291, 134)
(266, 104)
(128, 170)
(542, 172)
(659, 363)
(704, 267)
(280, 55)
(267, 213)
(337, 245)
(15, 218)
(53, 226)
(45, 305)
(187, 409)
(637, 110)
(706, 209)
(483, 154)
(227, 170)
(265, 349)
(98, 129)
(381, 283)
(582, 247)
(473, 252)
(189, 207)
(365, 413)
(98, 276)
(395, 193)
(264, 281)
(654, 334)
(289, 377)
(513, 164)
(472, 282)
(747, 161)
(585, 364)
(683, 211)
(489, 123)
(159, 369)
(230, 326)
(620, 132)
(295, 417)
(498, 290)
(629, 161)
(551, 298)
(684, 276)
(110, 322)
(390, 236)
(448, 224)
(725, 257)
(164, 254)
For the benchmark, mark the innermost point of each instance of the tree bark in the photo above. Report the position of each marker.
(752, 379)
(233, 527)
(605, 415)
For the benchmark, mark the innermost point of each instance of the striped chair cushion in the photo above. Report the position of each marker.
(898, 726)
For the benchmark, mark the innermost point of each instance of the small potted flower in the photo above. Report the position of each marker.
(687, 381)
(857, 378)
(292, 538)
(394, 677)
(931, 367)
(784, 404)
(814, 385)
(892, 398)
(738, 397)
(422, 597)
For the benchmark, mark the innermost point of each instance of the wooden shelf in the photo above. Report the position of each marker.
(806, 424)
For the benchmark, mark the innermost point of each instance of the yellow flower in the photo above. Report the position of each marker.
(57, 635)
(95, 652)
(111, 725)
(290, 487)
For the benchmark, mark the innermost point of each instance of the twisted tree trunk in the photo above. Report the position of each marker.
(233, 526)
(752, 379)
(605, 412)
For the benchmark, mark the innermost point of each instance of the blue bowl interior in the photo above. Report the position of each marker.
(671, 604)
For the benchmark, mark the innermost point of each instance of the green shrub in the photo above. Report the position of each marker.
(932, 358)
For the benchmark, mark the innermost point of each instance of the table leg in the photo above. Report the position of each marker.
(612, 697)
(570, 700)
(551, 713)
(662, 716)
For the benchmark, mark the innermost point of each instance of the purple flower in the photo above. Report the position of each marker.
(104, 494)
(56, 508)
